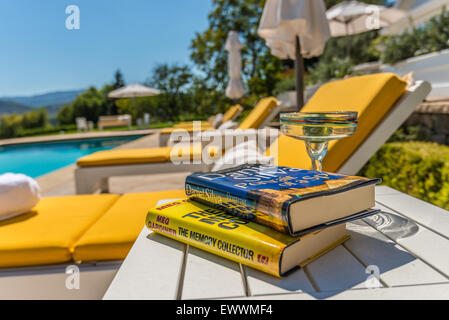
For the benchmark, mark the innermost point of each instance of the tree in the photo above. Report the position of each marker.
(10, 125)
(334, 62)
(432, 36)
(173, 82)
(260, 69)
(35, 119)
(119, 81)
(360, 43)
(331, 3)
(90, 104)
(65, 115)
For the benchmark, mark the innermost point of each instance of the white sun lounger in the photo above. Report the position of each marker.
(88, 179)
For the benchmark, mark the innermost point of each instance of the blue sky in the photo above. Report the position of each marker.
(38, 54)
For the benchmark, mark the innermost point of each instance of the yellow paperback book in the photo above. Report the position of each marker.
(240, 240)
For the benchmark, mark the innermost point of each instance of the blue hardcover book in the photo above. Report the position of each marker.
(289, 200)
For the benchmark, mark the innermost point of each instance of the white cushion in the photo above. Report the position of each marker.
(217, 120)
(244, 153)
(18, 194)
(227, 125)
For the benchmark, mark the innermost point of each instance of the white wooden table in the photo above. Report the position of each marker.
(408, 243)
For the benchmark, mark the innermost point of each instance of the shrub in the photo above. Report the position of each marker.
(335, 68)
(430, 37)
(287, 84)
(45, 131)
(420, 169)
(10, 125)
(14, 125)
(407, 134)
(35, 119)
(65, 115)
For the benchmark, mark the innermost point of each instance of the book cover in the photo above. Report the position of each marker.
(237, 239)
(264, 194)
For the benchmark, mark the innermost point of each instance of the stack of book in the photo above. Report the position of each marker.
(267, 217)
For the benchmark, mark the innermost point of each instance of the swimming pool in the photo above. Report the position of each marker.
(36, 159)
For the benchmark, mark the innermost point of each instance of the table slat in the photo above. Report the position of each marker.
(381, 190)
(422, 292)
(261, 283)
(396, 266)
(425, 244)
(337, 270)
(211, 276)
(424, 213)
(150, 271)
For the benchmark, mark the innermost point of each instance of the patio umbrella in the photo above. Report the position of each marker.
(353, 17)
(295, 29)
(132, 91)
(235, 89)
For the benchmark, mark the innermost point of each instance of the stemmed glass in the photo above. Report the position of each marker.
(317, 129)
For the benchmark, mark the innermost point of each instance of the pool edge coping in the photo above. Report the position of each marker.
(76, 136)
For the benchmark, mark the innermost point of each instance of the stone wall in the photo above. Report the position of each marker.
(432, 118)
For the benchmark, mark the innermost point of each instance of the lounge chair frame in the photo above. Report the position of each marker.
(404, 107)
(164, 138)
(89, 179)
(49, 282)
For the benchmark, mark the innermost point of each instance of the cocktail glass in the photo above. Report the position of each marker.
(316, 129)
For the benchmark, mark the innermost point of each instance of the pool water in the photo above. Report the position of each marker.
(36, 159)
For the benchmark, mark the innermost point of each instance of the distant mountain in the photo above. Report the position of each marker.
(12, 107)
(53, 109)
(52, 99)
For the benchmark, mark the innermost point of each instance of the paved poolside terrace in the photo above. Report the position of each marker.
(76, 136)
(61, 182)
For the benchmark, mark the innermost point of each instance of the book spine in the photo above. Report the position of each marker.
(234, 204)
(234, 246)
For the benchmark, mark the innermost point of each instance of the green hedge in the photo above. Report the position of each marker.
(432, 36)
(420, 169)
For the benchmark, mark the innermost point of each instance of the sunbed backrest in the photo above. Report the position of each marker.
(372, 96)
(231, 113)
(260, 112)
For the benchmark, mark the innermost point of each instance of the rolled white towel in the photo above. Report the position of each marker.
(18, 194)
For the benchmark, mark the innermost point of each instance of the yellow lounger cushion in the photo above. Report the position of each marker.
(253, 121)
(231, 113)
(189, 128)
(148, 155)
(187, 125)
(113, 235)
(228, 115)
(47, 234)
(372, 96)
(125, 156)
(258, 115)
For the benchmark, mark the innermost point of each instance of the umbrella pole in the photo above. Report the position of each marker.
(348, 41)
(299, 71)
